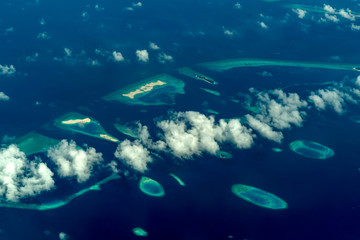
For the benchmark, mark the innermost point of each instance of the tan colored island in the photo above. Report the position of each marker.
(75, 121)
(146, 88)
(107, 137)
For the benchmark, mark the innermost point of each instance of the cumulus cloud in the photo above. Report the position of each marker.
(138, 4)
(300, 12)
(265, 74)
(263, 25)
(20, 177)
(32, 58)
(332, 98)
(133, 154)
(281, 110)
(357, 81)
(153, 46)
(73, 161)
(191, 133)
(7, 70)
(237, 5)
(4, 97)
(43, 35)
(163, 58)
(229, 32)
(355, 27)
(68, 52)
(347, 14)
(117, 56)
(331, 18)
(142, 55)
(263, 129)
(63, 236)
(329, 9)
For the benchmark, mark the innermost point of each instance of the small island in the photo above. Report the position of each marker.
(311, 149)
(158, 90)
(258, 197)
(196, 75)
(79, 123)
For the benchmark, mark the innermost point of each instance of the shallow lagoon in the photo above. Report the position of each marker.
(311, 149)
(158, 90)
(258, 197)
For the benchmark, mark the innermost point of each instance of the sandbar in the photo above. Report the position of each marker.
(146, 88)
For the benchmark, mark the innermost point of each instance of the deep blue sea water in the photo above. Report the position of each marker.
(323, 195)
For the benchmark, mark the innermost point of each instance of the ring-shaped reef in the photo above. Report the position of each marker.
(61, 202)
(79, 123)
(151, 187)
(127, 129)
(223, 154)
(258, 197)
(311, 149)
(35, 143)
(157, 90)
(138, 231)
(249, 62)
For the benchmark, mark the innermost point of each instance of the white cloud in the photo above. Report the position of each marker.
(138, 4)
(73, 161)
(68, 52)
(280, 110)
(347, 14)
(357, 81)
(7, 70)
(264, 129)
(43, 35)
(263, 25)
(237, 5)
(117, 56)
(229, 32)
(32, 58)
(355, 27)
(63, 236)
(331, 18)
(98, 8)
(300, 12)
(329, 9)
(326, 97)
(133, 154)
(153, 46)
(20, 177)
(191, 133)
(265, 74)
(93, 62)
(163, 58)
(42, 21)
(4, 97)
(142, 55)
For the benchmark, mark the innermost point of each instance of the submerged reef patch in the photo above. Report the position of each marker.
(157, 90)
(311, 149)
(151, 187)
(258, 197)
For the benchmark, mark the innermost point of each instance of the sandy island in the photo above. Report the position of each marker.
(85, 120)
(146, 88)
(108, 137)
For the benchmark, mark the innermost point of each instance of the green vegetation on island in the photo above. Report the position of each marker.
(196, 75)
(258, 197)
(311, 149)
(157, 90)
(79, 123)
